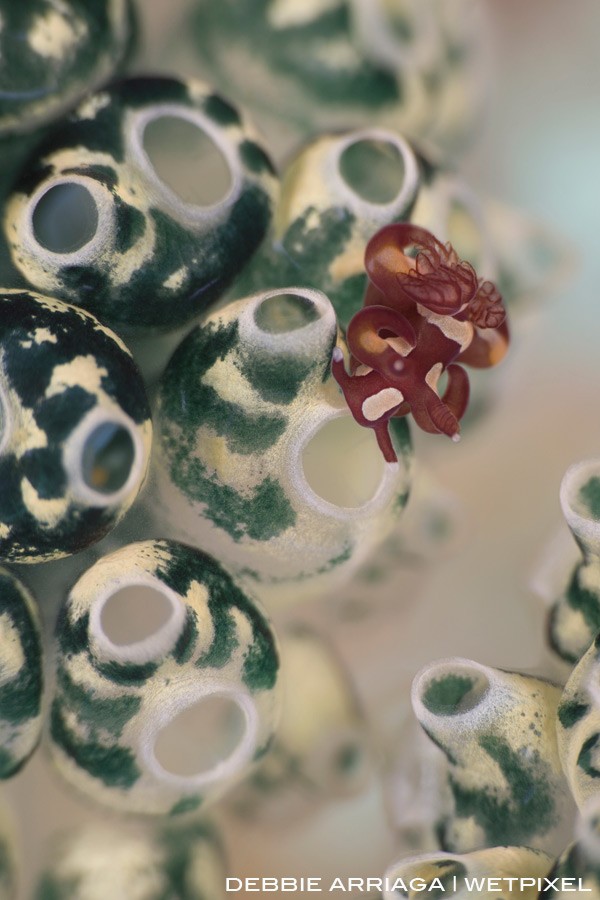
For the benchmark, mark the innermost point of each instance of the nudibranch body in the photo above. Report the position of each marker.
(422, 317)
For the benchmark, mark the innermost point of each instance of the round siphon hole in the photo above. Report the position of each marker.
(200, 737)
(373, 169)
(187, 160)
(134, 613)
(343, 464)
(65, 218)
(464, 233)
(108, 455)
(285, 312)
(453, 692)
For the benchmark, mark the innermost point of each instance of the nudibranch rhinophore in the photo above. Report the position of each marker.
(423, 316)
(199, 640)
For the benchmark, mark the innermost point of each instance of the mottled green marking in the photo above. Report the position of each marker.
(191, 404)
(589, 496)
(444, 696)
(277, 379)
(220, 111)
(255, 159)
(9, 765)
(98, 713)
(261, 515)
(348, 758)
(187, 804)
(181, 847)
(304, 256)
(589, 757)
(570, 712)
(401, 439)
(126, 673)
(349, 295)
(298, 53)
(530, 809)
(585, 601)
(261, 663)
(186, 641)
(20, 698)
(113, 765)
(52, 888)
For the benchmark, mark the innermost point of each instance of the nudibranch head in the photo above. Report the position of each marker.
(426, 311)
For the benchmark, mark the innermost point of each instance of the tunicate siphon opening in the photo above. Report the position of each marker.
(285, 312)
(200, 737)
(464, 233)
(453, 690)
(107, 458)
(343, 464)
(134, 613)
(187, 160)
(374, 170)
(65, 218)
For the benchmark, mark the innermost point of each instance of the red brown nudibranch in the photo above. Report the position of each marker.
(423, 315)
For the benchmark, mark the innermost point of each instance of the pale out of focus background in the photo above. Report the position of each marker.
(539, 150)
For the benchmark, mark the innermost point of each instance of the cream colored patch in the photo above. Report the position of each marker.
(340, 54)
(46, 512)
(287, 13)
(433, 376)
(12, 658)
(44, 336)
(4, 530)
(374, 407)
(175, 280)
(197, 597)
(453, 329)
(399, 345)
(83, 371)
(90, 108)
(349, 262)
(52, 35)
(25, 433)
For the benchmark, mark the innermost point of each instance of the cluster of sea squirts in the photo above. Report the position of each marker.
(108, 271)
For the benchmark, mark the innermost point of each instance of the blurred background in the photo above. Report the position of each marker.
(537, 149)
